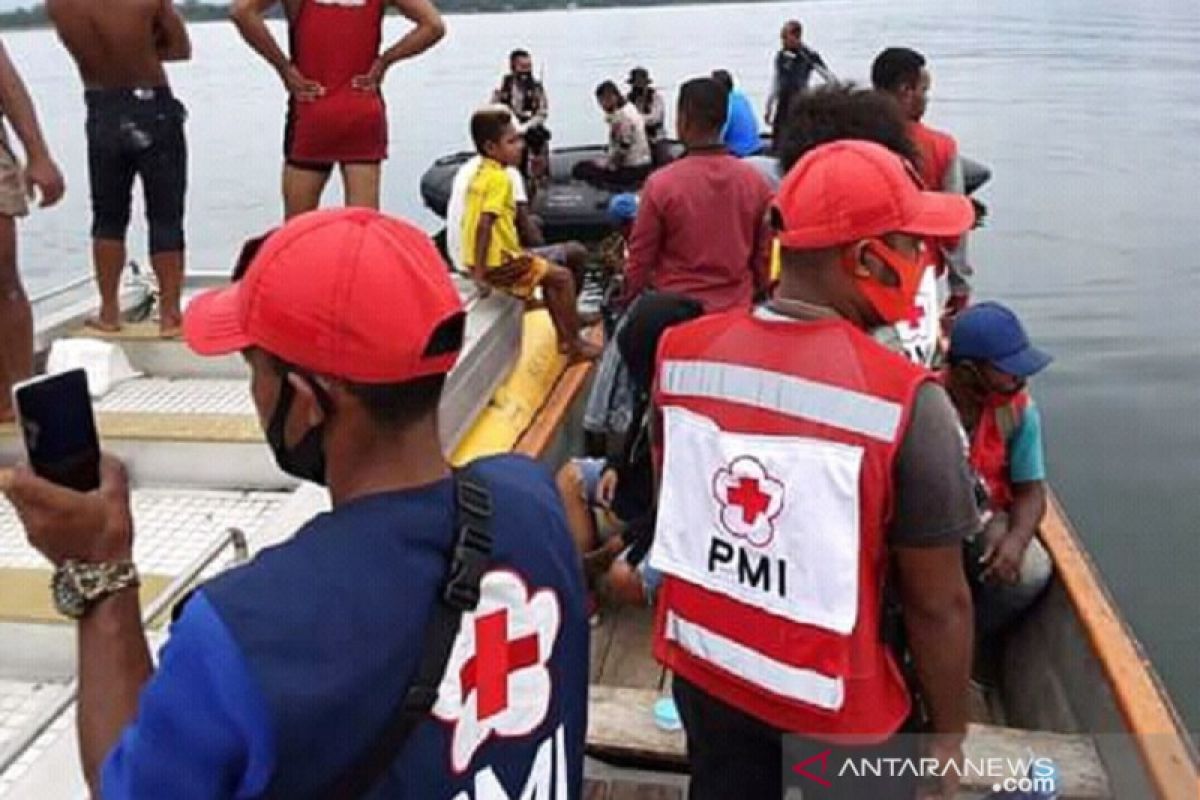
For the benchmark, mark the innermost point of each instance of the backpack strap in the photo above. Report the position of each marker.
(469, 560)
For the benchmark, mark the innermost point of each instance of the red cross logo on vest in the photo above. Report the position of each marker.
(749, 500)
(497, 682)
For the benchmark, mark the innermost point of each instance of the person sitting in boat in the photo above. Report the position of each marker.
(572, 255)
(610, 501)
(740, 133)
(525, 96)
(901, 73)
(629, 159)
(990, 361)
(314, 669)
(491, 246)
(649, 103)
(702, 228)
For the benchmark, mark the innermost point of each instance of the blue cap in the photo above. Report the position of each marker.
(623, 207)
(991, 332)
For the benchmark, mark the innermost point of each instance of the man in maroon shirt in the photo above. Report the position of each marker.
(702, 228)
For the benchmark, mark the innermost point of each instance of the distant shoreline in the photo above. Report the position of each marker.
(34, 17)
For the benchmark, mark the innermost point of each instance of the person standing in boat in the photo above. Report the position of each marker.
(794, 65)
(649, 103)
(135, 128)
(990, 361)
(901, 73)
(796, 486)
(426, 638)
(39, 176)
(334, 78)
(702, 229)
(629, 159)
(525, 96)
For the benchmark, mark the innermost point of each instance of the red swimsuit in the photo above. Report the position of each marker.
(334, 41)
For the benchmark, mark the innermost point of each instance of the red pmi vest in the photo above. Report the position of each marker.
(334, 41)
(989, 448)
(779, 439)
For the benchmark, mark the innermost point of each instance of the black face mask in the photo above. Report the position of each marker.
(306, 460)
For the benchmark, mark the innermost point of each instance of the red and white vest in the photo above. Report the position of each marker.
(778, 447)
(938, 151)
(989, 448)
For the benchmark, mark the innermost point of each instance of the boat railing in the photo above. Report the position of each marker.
(232, 539)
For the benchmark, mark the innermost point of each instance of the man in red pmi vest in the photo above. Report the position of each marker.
(804, 465)
(901, 73)
(334, 79)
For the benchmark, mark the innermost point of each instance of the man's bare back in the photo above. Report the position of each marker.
(120, 43)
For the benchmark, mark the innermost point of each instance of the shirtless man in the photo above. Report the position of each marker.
(134, 128)
(336, 112)
(40, 174)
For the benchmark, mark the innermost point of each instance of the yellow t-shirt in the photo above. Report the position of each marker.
(491, 192)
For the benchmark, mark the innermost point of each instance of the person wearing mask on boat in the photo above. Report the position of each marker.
(901, 73)
(491, 245)
(525, 96)
(794, 486)
(628, 160)
(135, 128)
(794, 65)
(333, 664)
(649, 103)
(847, 112)
(334, 78)
(740, 133)
(990, 361)
(39, 176)
(702, 229)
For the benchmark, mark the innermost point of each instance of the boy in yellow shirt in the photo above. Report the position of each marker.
(491, 247)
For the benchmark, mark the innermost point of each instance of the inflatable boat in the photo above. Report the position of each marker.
(574, 209)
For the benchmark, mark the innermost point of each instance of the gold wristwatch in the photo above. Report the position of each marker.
(78, 585)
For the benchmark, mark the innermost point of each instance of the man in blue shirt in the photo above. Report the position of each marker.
(991, 359)
(740, 133)
(280, 675)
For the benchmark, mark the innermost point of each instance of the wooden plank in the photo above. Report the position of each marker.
(621, 728)
(145, 331)
(25, 594)
(632, 790)
(1169, 757)
(629, 661)
(1081, 774)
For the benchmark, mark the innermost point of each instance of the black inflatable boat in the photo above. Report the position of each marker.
(573, 209)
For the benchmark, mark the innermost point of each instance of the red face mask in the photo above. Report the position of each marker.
(892, 303)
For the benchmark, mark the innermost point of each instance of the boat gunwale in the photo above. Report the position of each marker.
(1138, 692)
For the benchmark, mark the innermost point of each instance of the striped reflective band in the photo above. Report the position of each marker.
(784, 394)
(784, 680)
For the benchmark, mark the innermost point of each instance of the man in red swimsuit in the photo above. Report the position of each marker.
(336, 112)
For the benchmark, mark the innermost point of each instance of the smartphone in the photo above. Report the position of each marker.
(55, 415)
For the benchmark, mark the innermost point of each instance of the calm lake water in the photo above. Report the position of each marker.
(1087, 110)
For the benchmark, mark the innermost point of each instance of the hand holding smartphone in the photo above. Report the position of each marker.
(56, 419)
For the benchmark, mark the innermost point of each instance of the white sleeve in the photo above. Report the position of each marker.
(518, 183)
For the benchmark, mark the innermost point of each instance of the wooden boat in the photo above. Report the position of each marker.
(1074, 684)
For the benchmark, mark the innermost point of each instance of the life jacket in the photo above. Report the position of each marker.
(989, 448)
(937, 151)
(530, 99)
(332, 42)
(780, 439)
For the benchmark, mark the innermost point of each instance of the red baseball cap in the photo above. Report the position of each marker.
(849, 190)
(349, 293)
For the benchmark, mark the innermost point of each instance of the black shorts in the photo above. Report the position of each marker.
(137, 133)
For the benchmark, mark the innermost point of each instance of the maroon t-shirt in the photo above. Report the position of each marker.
(702, 231)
